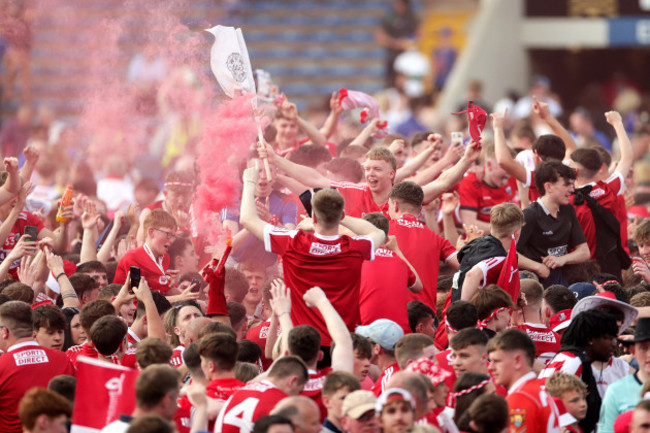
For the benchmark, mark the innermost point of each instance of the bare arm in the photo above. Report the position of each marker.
(627, 154)
(452, 155)
(531, 265)
(364, 228)
(502, 152)
(471, 283)
(452, 176)
(248, 216)
(332, 121)
(271, 337)
(13, 182)
(449, 204)
(104, 253)
(31, 158)
(470, 217)
(343, 353)
(281, 305)
(306, 175)
(155, 327)
(366, 133)
(542, 110)
(68, 294)
(89, 223)
(435, 141)
(579, 255)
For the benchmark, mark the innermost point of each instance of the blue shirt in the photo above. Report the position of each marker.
(620, 397)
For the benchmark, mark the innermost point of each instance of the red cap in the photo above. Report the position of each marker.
(623, 422)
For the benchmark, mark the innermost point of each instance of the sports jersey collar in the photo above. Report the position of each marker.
(23, 344)
(535, 325)
(134, 335)
(546, 211)
(519, 382)
(408, 217)
(326, 237)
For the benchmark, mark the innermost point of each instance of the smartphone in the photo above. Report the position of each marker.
(32, 232)
(197, 285)
(305, 199)
(456, 138)
(135, 276)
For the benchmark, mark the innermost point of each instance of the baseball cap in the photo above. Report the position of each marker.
(391, 395)
(384, 332)
(561, 320)
(582, 290)
(357, 403)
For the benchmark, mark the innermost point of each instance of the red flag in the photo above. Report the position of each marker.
(104, 391)
(477, 118)
(509, 276)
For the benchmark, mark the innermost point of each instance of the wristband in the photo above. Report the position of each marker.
(283, 313)
(69, 295)
(59, 276)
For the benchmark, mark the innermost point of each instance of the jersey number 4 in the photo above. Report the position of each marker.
(241, 416)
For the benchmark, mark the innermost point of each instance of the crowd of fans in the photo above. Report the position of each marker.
(406, 283)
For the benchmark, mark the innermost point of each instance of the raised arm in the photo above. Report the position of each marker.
(155, 327)
(366, 133)
(452, 176)
(435, 141)
(68, 294)
(332, 121)
(281, 306)
(104, 253)
(13, 183)
(306, 175)
(504, 158)
(624, 144)
(454, 152)
(364, 228)
(248, 216)
(343, 353)
(542, 110)
(89, 223)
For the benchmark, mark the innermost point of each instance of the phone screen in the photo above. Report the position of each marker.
(135, 276)
(32, 232)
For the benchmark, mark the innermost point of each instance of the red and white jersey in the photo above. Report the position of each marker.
(177, 356)
(259, 335)
(566, 362)
(358, 199)
(151, 270)
(615, 369)
(128, 359)
(533, 192)
(247, 405)
(222, 389)
(531, 408)
(606, 193)
(24, 366)
(384, 289)
(183, 415)
(132, 338)
(478, 196)
(314, 389)
(491, 269)
(331, 262)
(547, 342)
(424, 250)
(24, 219)
(86, 349)
(380, 384)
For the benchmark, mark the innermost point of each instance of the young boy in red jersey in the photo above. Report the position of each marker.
(320, 258)
(528, 318)
(218, 354)
(512, 354)
(152, 257)
(478, 196)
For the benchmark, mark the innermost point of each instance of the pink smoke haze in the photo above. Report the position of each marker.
(228, 137)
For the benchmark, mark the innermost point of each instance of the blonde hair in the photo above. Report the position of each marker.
(379, 153)
(505, 219)
(159, 218)
(560, 382)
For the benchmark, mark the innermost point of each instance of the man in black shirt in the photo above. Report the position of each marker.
(552, 234)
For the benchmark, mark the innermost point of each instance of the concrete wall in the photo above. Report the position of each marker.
(494, 54)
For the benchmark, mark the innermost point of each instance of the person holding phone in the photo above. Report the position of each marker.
(152, 257)
(642, 240)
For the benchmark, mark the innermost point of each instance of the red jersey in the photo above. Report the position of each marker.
(160, 204)
(531, 409)
(24, 366)
(247, 405)
(384, 289)
(86, 349)
(132, 338)
(380, 384)
(258, 335)
(358, 199)
(129, 360)
(24, 219)
(151, 270)
(222, 389)
(314, 389)
(566, 362)
(547, 342)
(183, 415)
(331, 262)
(424, 249)
(177, 357)
(478, 196)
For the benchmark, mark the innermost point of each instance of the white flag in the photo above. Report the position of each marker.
(229, 60)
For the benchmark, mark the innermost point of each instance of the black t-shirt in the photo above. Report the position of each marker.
(544, 235)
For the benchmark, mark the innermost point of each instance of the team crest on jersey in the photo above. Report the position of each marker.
(518, 419)
(163, 280)
(508, 190)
